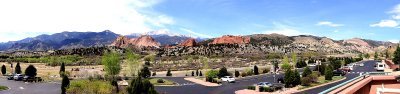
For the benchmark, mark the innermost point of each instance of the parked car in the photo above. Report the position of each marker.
(10, 77)
(380, 67)
(339, 72)
(346, 68)
(264, 84)
(18, 77)
(361, 64)
(29, 79)
(228, 79)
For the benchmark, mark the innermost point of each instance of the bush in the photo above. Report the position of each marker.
(249, 72)
(192, 73)
(64, 84)
(251, 87)
(211, 74)
(297, 78)
(237, 74)
(30, 71)
(306, 72)
(306, 81)
(145, 72)
(223, 72)
(244, 74)
(266, 70)
(169, 72)
(266, 89)
(197, 72)
(288, 79)
(160, 81)
(154, 74)
(321, 69)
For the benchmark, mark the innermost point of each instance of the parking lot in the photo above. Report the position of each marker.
(20, 87)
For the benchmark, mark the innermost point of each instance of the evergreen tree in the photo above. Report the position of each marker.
(192, 73)
(328, 73)
(64, 84)
(237, 73)
(223, 72)
(18, 69)
(197, 72)
(62, 69)
(169, 72)
(200, 74)
(30, 71)
(306, 72)
(145, 72)
(387, 56)
(139, 86)
(376, 55)
(288, 80)
(296, 76)
(256, 70)
(3, 69)
(396, 58)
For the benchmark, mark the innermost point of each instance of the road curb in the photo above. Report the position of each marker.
(320, 85)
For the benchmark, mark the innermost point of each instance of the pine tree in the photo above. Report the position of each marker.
(200, 74)
(256, 70)
(288, 80)
(223, 72)
(296, 76)
(306, 72)
(192, 73)
(64, 84)
(3, 69)
(328, 73)
(169, 72)
(30, 71)
(18, 69)
(145, 72)
(237, 73)
(62, 69)
(197, 72)
(396, 58)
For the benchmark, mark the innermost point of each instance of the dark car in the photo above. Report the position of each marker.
(10, 77)
(339, 73)
(280, 80)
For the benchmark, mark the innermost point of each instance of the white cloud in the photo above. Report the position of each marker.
(195, 33)
(385, 23)
(53, 16)
(336, 31)
(327, 23)
(394, 41)
(284, 30)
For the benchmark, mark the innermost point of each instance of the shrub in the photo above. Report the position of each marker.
(197, 72)
(237, 74)
(306, 72)
(160, 81)
(288, 79)
(306, 81)
(244, 74)
(139, 86)
(145, 72)
(154, 74)
(30, 71)
(314, 76)
(200, 74)
(223, 72)
(255, 70)
(328, 73)
(62, 69)
(64, 84)
(266, 70)
(211, 74)
(169, 72)
(266, 89)
(249, 72)
(192, 73)
(297, 78)
(321, 69)
(251, 87)
(89, 87)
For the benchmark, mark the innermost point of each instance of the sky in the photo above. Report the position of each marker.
(336, 19)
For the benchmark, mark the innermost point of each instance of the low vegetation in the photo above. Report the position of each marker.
(159, 81)
(3, 88)
(89, 87)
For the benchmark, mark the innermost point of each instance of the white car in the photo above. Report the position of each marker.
(362, 64)
(380, 67)
(228, 79)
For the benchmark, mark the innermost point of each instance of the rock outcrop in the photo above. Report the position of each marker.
(230, 39)
(188, 43)
(356, 41)
(142, 41)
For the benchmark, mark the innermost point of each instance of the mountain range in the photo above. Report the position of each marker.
(68, 40)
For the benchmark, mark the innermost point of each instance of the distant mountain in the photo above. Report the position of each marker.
(63, 40)
(165, 37)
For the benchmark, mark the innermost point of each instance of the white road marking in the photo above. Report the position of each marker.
(21, 87)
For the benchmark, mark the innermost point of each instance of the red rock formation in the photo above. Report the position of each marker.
(142, 41)
(229, 39)
(121, 41)
(188, 43)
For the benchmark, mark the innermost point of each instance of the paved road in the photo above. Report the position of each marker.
(368, 67)
(20, 87)
(226, 88)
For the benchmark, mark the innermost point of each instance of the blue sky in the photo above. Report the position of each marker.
(337, 19)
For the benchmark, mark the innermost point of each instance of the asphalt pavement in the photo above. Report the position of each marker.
(20, 87)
